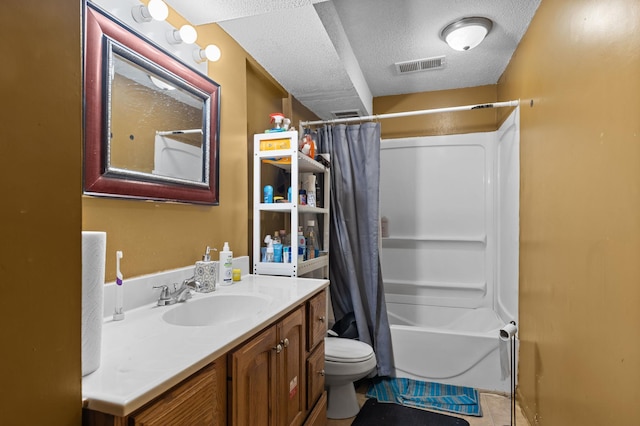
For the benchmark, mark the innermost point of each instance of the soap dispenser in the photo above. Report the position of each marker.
(205, 273)
(226, 265)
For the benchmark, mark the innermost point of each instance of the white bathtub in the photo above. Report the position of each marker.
(456, 346)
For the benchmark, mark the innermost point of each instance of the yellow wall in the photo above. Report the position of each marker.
(437, 124)
(580, 212)
(40, 183)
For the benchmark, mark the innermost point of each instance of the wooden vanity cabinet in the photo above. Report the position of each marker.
(267, 382)
(200, 399)
(275, 378)
(316, 331)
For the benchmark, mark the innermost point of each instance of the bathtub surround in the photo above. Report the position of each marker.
(354, 264)
(450, 263)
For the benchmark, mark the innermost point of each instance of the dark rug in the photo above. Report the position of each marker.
(374, 413)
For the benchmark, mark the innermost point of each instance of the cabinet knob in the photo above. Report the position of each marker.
(322, 318)
(321, 372)
(278, 348)
(285, 343)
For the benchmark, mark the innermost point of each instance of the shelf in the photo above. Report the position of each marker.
(288, 207)
(309, 209)
(289, 269)
(276, 207)
(305, 163)
(296, 163)
(313, 264)
(272, 268)
(437, 239)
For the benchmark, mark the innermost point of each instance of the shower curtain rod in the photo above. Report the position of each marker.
(411, 113)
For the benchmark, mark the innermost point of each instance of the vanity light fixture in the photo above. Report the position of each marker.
(186, 34)
(466, 33)
(155, 9)
(210, 53)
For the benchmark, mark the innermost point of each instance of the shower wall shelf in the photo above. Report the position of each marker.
(293, 214)
(443, 239)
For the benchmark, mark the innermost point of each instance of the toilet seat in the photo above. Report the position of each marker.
(337, 349)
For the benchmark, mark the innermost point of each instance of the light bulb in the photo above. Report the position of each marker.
(186, 34)
(210, 53)
(158, 10)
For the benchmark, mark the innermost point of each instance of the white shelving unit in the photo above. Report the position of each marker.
(294, 162)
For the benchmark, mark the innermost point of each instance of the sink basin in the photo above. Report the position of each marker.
(217, 309)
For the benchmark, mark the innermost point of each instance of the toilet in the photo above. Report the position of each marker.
(345, 361)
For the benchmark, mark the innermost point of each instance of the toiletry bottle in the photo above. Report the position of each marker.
(269, 252)
(302, 245)
(313, 248)
(226, 265)
(268, 194)
(277, 248)
(205, 272)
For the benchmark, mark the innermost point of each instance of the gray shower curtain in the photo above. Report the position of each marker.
(354, 263)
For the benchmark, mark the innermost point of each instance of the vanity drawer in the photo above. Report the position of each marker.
(201, 399)
(316, 319)
(315, 375)
(318, 416)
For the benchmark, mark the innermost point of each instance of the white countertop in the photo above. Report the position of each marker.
(144, 356)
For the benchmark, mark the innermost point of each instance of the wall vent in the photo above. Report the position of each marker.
(417, 65)
(346, 114)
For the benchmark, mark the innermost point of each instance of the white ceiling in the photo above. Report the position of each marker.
(337, 55)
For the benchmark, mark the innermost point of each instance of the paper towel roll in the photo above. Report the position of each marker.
(94, 250)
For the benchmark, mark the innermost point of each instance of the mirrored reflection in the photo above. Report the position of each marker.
(157, 124)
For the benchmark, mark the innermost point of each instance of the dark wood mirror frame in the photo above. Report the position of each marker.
(97, 180)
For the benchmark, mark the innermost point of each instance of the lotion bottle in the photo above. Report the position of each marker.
(226, 265)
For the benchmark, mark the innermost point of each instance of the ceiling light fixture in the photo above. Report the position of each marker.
(186, 34)
(466, 33)
(210, 53)
(155, 9)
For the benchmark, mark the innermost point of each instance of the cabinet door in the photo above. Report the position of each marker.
(316, 319)
(199, 400)
(253, 387)
(291, 361)
(315, 375)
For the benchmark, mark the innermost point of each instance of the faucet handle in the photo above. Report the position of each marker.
(191, 283)
(164, 294)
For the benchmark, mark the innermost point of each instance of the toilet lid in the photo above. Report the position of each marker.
(346, 350)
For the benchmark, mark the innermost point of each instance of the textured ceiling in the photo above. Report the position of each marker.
(337, 55)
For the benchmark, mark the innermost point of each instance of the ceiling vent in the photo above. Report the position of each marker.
(417, 65)
(346, 114)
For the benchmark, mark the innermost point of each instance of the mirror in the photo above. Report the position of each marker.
(151, 122)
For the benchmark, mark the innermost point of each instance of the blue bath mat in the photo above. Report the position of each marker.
(433, 396)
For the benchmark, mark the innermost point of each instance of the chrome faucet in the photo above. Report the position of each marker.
(180, 294)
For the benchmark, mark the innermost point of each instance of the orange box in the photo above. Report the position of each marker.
(274, 144)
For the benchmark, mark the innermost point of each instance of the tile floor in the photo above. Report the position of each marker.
(496, 410)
